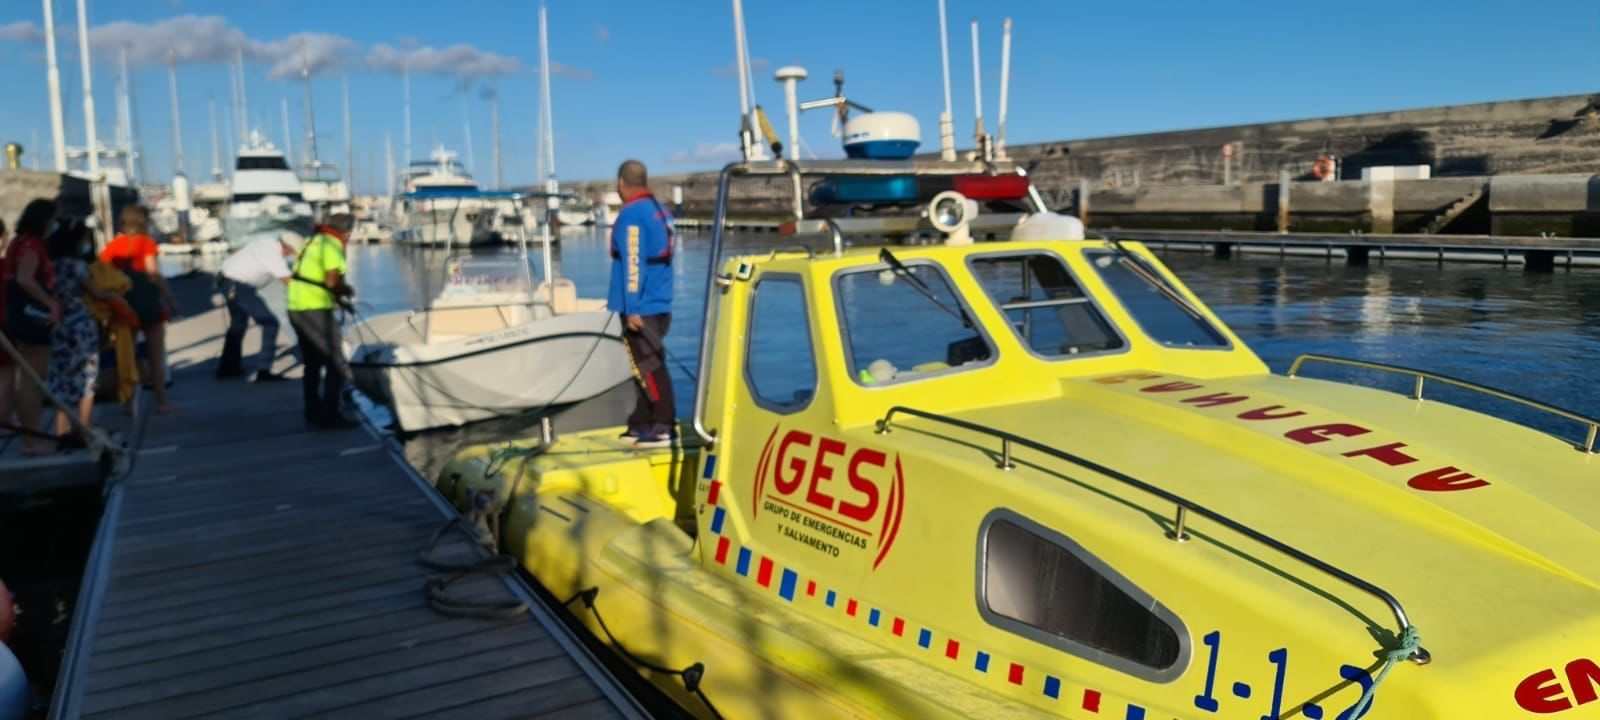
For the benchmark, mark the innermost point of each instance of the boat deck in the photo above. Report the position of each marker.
(248, 566)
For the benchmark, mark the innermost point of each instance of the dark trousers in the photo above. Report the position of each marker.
(245, 304)
(323, 355)
(655, 404)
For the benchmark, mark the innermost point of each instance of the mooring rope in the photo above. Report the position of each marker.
(690, 675)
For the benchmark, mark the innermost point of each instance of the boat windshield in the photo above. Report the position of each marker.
(895, 330)
(262, 162)
(1153, 305)
(1044, 305)
(468, 277)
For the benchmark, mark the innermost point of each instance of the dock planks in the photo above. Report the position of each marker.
(248, 566)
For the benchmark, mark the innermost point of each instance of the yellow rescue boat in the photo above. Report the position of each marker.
(1040, 478)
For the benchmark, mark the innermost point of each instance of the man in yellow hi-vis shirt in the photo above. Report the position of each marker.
(318, 284)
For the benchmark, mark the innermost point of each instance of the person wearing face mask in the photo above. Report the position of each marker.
(75, 341)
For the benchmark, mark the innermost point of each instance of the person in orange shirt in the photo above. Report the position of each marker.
(134, 252)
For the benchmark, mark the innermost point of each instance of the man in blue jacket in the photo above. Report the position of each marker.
(641, 292)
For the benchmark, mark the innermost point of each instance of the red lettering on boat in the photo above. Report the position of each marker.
(1265, 413)
(1540, 693)
(1544, 693)
(1215, 399)
(1174, 386)
(1114, 379)
(1446, 479)
(787, 486)
(1387, 454)
(1323, 433)
(860, 484)
(821, 472)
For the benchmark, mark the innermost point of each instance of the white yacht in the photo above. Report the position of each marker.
(264, 195)
(442, 205)
(323, 187)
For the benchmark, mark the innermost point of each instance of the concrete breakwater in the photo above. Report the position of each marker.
(1521, 167)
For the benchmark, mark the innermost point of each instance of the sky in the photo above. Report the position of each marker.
(654, 80)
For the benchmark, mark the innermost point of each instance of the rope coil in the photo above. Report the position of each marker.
(1410, 641)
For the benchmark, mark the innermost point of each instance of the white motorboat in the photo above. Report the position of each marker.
(443, 207)
(264, 196)
(488, 345)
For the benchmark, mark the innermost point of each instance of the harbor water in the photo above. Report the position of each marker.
(1534, 334)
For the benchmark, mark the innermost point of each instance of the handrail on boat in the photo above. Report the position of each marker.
(1419, 376)
(1184, 507)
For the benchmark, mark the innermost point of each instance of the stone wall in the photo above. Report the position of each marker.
(1176, 178)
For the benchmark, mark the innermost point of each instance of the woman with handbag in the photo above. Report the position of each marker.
(134, 252)
(31, 313)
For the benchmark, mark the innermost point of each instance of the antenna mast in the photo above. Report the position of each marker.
(947, 132)
(1005, 85)
(977, 94)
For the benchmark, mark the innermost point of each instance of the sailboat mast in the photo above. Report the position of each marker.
(466, 131)
(288, 140)
(244, 97)
(86, 61)
(216, 148)
(311, 120)
(405, 78)
(494, 116)
(124, 115)
(544, 77)
(58, 125)
(177, 121)
(388, 158)
(349, 152)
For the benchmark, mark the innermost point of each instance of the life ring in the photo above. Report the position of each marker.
(1322, 168)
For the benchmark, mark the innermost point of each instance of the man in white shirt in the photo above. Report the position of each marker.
(249, 269)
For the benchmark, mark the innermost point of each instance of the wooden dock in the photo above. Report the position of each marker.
(249, 566)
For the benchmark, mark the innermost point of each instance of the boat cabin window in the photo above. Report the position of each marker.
(906, 324)
(1041, 585)
(1044, 305)
(258, 197)
(780, 368)
(1149, 299)
(267, 162)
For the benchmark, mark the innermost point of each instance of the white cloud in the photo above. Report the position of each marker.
(758, 65)
(320, 52)
(190, 39)
(706, 153)
(602, 34)
(22, 31)
(459, 61)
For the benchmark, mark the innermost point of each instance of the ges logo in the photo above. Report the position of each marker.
(826, 494)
